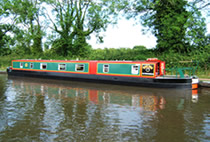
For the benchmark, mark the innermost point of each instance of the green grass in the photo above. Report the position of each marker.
(3, 69)
(204, 76)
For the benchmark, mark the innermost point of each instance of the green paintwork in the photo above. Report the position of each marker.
(123, 69)
(50, 66)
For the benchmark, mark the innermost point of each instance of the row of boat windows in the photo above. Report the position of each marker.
(80, 67)
(61, 67)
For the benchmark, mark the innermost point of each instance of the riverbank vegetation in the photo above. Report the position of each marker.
(46, 29)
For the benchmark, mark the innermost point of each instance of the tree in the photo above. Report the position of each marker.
(74, 21)
(24, 15)
(169, 21)
(196, 27)
(29, 13)
(4, 39)
(169, 25)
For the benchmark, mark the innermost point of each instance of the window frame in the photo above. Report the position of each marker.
(41, 66)
(106, 68)
(31, 65)
(59, 67)
(21, 64)
(83, 67)
(134, 66)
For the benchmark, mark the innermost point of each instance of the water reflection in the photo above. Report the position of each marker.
(194, 96)
(51, 110)
(146, 100)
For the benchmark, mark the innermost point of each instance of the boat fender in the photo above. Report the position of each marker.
(9, 69)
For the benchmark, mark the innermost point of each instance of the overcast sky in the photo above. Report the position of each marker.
(126, 35)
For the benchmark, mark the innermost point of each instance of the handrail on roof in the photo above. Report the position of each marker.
(181, 70)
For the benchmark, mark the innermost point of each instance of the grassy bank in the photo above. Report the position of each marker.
(205, 75)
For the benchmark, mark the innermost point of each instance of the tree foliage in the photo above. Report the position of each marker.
(24, 18)
(67, 24)
(4, 40)
(28, 15)
(196, 27)
(177, 24)
(74, 21)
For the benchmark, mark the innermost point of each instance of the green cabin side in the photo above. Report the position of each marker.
(118, 68)
(127, 69)
(82, 67)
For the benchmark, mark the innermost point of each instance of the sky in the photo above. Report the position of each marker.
(127, 34)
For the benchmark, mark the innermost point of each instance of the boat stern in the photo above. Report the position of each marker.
(195, 82)
(9, 69)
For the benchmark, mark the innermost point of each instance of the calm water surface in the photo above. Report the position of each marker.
(51, 110)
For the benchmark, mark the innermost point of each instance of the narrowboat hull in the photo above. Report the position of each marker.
(159, 82)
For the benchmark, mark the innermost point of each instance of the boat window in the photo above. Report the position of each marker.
(135, 69)
(79, 67)
(43, 66)
(106, 68)
(21, 65)
(32, 65)
(62, 67)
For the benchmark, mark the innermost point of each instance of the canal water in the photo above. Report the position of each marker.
(54, 110)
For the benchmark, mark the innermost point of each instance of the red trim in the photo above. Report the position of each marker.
(162, 68)
(93, 67)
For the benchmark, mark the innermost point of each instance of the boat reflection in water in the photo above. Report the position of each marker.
(144, 98)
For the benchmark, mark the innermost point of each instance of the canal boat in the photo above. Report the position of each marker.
(148, 73)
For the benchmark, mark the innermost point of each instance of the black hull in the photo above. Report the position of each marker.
(131, 81)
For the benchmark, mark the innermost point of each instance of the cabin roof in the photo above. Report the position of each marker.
(99, 61)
